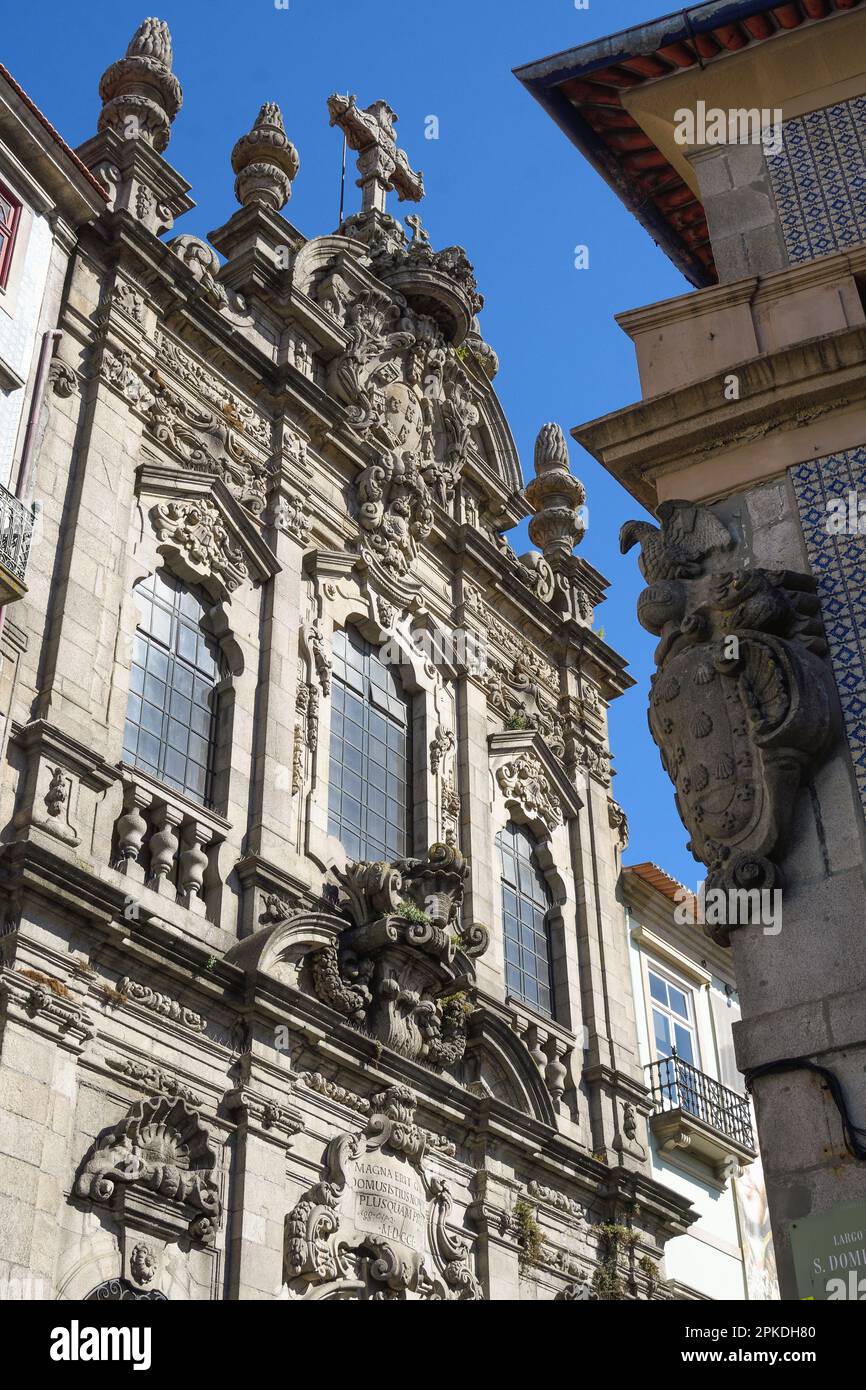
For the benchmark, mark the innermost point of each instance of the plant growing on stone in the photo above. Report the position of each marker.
(460, 998)
(56, 986)
(529, 1234)
(413, 913)
(650, 1270)
(114, 996)
(607, 1280)
(516, 722)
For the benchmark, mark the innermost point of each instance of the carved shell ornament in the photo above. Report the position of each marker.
(740, 703)
(161, 1145)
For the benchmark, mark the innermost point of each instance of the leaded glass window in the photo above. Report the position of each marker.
(525, 907)
(171, 713)
(369, 802)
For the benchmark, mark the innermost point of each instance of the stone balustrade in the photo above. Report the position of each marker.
(549, 1046)
(165, 841)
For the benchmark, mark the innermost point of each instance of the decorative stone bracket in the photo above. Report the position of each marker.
(203, 533)
(532, 782)
(395, 973)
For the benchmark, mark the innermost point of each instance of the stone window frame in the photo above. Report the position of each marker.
(218, 687)
(421, 684)
(552, 848)
(225, 690)
(233, 621)
(409, 702)
(549, 904)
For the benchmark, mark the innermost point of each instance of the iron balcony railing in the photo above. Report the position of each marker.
(677, 1085)
(16, 533)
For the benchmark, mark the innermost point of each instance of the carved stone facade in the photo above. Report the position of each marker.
(211, 994)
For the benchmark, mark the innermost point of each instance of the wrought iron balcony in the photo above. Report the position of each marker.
(698, 1114)
(16, 533)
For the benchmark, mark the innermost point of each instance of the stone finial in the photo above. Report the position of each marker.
(557, 497)
(265, 161)
(140, 94)
(381, 165)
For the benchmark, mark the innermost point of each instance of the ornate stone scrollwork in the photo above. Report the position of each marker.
(740, 703)
(407, 393)
(513, 688)
(524, 782)
(193, 537)
(393, 973)
(376, 1227)
(160, 1145)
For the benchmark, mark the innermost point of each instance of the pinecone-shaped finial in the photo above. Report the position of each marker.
(140, 94)
(265, 161)
(557, 497)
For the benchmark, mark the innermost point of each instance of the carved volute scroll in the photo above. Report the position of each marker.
(740, 703)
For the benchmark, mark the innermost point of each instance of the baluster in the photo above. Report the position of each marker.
(163, 847)
(131, 829)
(192, 865)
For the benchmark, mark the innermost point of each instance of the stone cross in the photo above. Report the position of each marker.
(381, 165)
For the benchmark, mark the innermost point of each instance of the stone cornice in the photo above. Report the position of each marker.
(693, 426)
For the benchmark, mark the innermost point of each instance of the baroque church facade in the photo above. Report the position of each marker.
(314, 981)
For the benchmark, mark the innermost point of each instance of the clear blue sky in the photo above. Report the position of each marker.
(502, 180)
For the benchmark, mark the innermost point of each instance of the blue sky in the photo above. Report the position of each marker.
(502, 180)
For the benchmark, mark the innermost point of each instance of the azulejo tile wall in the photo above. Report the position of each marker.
(838, 563)
(819, 180)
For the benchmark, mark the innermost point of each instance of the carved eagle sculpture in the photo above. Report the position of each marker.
(678, 548)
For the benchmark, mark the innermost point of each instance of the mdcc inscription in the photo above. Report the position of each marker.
(389, 1201)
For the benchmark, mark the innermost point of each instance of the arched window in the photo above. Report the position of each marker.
(525, 905)
(369, 801)
(171, 714)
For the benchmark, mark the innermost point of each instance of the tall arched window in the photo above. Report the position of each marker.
(171, 714)
(369, 802)
(525, 906)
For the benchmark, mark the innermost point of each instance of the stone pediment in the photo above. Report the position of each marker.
(205, 536)
(527, 773)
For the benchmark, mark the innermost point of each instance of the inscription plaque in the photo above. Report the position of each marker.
(390, 1201)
